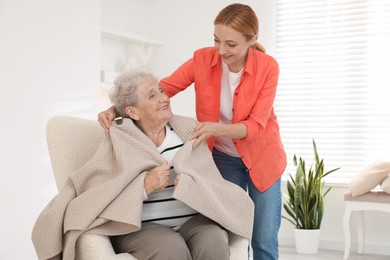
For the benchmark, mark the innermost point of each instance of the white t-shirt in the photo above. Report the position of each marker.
(229, 83)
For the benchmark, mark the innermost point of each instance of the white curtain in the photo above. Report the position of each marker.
(334, 81)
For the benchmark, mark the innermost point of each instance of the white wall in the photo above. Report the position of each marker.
(49, 65)
(124, 16)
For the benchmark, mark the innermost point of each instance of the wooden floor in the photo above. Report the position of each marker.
(288, 253)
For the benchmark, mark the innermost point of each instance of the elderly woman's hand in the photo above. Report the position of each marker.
(157, 178)
(106, 117)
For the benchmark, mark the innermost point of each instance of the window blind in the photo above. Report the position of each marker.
(334, 81)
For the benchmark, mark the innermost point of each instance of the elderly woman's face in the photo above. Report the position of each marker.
(153, 106)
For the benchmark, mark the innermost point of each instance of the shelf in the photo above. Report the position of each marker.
(128, 37)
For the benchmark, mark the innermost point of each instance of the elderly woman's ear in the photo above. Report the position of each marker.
(130, 111)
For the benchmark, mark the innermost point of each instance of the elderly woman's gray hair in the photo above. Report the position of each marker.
(124, 91)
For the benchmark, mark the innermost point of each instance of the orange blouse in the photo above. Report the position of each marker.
(261, 150)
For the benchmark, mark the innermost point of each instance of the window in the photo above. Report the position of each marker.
(334, 84)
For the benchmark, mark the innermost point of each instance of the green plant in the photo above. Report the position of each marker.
(304, 202)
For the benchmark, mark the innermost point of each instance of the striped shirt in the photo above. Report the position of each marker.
(161, 207)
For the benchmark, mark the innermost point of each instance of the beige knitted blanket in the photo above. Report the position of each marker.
(105, 195)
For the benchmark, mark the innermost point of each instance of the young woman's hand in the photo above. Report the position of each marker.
(106, 117)
(203, 131)
(207, 129)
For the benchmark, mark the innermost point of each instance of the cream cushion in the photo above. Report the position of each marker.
(98, 247)
(369, 178)
(385, 185)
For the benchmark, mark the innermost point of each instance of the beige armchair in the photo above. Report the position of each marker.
(71, 142)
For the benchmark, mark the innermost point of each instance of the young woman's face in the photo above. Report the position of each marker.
(232, 46)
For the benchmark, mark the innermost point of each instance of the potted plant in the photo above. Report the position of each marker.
(304, 201)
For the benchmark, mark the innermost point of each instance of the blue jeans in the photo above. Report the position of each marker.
(267, 219)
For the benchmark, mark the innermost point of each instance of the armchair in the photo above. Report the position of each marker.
(71, 142)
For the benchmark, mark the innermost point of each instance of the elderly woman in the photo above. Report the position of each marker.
(146, 187)
(138, 96)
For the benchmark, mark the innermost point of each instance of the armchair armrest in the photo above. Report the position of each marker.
(98, 247)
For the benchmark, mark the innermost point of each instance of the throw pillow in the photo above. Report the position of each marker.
(385, 185)
(369, 178)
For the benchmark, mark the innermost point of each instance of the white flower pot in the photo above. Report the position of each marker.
(307, 240)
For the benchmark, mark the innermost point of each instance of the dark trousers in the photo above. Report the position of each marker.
(199, 238)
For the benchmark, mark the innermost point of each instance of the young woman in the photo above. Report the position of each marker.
(235, 87)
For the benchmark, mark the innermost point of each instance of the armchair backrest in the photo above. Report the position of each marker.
(71, 142)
